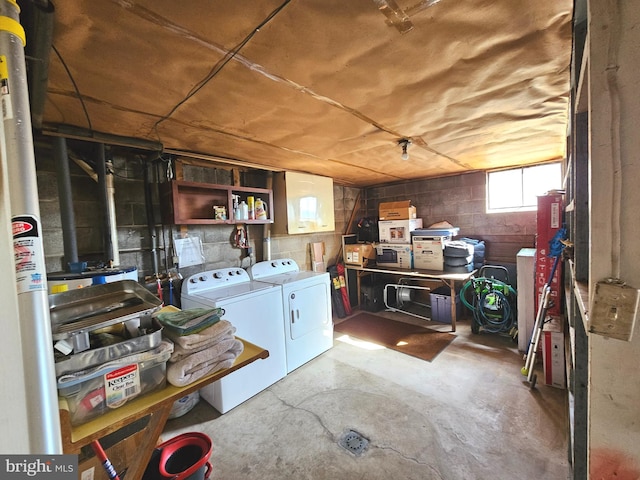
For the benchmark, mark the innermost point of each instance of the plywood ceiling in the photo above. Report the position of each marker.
(326, 87)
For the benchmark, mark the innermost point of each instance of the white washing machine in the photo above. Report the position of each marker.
(306, 298)
(255, 309)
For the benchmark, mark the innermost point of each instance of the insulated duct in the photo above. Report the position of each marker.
(107, 199)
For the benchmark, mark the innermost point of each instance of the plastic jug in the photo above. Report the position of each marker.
(244, 211)
(261, 209)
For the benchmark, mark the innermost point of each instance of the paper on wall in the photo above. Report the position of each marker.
(189, 251)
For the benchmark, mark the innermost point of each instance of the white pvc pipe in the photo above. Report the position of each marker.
(30, 274)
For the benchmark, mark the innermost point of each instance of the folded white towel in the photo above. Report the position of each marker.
(197, 365)
(179, 353)
(208, 336)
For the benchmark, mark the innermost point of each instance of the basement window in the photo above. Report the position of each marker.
(517, 189)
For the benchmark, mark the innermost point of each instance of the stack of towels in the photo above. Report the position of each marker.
(203, 343)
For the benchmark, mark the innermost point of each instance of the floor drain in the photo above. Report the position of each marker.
(353, 442)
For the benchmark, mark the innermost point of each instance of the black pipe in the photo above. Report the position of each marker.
(78, 133)
(65, 198)
(101, 170)
(38, 50)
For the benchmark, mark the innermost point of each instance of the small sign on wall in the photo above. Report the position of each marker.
(189, 251)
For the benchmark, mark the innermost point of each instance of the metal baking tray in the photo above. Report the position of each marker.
(83, 310)
(148, 333)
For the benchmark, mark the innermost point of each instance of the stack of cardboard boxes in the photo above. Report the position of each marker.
(396, 222)
(403, 243)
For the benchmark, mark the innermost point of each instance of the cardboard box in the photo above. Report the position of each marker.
(397, 231)
(553, 357)
(317, 257)
(428, 252)
(394, 255)
(548, 221)
(359, 254)
(401, 210)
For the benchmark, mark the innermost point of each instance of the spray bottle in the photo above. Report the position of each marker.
(236, 208)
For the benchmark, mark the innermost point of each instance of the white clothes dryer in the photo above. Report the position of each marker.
(255, 309)
(306, 299)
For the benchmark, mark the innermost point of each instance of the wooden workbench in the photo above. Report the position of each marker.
(447, 278)
(151, 409)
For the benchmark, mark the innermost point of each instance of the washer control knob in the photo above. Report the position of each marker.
(203, 278)
(274, 264)
(193, 280)
(217, 275)
(238, 272)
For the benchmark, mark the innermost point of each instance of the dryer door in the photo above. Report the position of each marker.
(307, 310)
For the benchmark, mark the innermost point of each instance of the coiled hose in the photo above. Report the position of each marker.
(491, 308)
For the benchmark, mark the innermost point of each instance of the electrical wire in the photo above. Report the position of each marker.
(75, 86)
(220, 65)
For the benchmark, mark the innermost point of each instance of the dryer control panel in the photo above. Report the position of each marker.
(268, 268)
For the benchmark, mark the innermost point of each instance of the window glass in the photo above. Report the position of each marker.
(518, 188)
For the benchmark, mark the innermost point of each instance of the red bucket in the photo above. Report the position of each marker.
(185, 457)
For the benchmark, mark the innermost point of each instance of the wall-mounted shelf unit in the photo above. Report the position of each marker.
(189, 203)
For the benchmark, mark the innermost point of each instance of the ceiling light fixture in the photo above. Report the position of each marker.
(404, 143)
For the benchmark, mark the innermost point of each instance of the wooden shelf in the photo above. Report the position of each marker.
(191, 203)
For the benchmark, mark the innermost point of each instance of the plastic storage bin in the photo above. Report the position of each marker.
(441, 305)
(90, 393)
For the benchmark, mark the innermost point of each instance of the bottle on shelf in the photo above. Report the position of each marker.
(244, 211)
(251, 207)
(261, 209)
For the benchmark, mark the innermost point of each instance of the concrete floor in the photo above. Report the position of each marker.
(465, 415)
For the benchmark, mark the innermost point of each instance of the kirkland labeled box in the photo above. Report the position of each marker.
(397, 231)
(359, 254)
(394, 255)
(428, 252)
(401, 210)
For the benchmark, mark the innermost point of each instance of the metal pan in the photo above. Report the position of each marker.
(84, 310)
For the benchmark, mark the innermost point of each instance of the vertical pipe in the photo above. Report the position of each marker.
(266, 232)
(38, 50)
(105, 184)
(148, 201)
(66, 200)
(30, 276)
(111, 212)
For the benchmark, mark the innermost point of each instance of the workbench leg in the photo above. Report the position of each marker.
(154, 430)
(453, 306)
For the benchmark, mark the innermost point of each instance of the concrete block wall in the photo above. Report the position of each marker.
(461, 201)
(134, 238)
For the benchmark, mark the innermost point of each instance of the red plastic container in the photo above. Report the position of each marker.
(184, 457)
